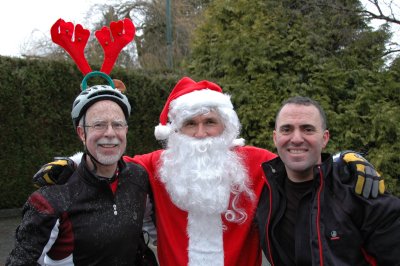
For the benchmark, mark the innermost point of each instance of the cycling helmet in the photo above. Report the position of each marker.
(96, 93)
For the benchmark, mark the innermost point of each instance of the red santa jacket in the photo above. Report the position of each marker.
(240, 241)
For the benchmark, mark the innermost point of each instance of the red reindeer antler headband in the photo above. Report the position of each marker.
(113, 41)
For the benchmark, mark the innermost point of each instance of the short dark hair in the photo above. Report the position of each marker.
(301, 100)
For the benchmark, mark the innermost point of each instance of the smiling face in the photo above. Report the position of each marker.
(300, 137)
(106, 129)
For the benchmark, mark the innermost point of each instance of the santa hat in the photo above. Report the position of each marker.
(190, 95)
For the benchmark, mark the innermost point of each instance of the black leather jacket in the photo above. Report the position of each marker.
(334, 226)
(82, 222)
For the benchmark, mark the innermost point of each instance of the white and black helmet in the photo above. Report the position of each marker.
(94, 94)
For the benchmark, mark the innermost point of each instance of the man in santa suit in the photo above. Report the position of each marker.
(205, 183)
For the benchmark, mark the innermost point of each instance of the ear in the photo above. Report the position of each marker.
(274, 137)
(81, 133)
(325, 138)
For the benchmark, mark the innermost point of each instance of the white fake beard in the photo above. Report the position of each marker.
(201, 174)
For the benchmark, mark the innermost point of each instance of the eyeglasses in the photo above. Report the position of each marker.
(103, 126)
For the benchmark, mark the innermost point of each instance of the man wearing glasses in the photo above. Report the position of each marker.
(96, 217)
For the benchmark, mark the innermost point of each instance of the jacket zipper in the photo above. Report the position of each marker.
(268, 223)
(321, 257)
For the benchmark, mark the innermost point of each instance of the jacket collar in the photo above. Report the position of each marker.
(92, 178)
(275, 168)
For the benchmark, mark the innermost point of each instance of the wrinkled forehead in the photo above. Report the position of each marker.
(105, 110)
(183, 116)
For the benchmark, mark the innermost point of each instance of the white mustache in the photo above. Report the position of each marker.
(116, 142)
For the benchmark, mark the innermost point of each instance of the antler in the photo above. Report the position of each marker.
(123, 32)
(61, 34)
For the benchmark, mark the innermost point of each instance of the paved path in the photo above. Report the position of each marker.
(9, 221)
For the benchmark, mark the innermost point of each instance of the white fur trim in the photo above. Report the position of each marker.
(238, 142)
(77, 157)
(162, 132)
(200, 98)
(205, 234)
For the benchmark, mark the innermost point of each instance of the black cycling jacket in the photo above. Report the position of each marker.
(82, 222)
(342, 229)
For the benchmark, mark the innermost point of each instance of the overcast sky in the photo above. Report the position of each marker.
(21, 20)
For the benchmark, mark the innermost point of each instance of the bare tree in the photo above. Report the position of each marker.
(385, 10)
(150, 19)
(388, 12)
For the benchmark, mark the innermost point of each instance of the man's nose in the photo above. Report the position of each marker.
(109, 130)
(297, 136)
(201, 131)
